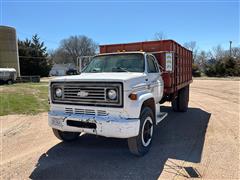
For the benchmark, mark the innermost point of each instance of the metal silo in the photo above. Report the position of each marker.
(9, 48)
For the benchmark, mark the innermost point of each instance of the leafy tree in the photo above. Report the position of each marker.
(226, 66)
(220, 64)
(33, 57)
(232, 68)
(196, 70)
(220, 68)
(210, 70)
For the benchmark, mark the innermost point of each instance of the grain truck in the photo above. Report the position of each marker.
(119, 94)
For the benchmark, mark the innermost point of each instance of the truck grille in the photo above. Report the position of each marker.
(87, 93)
(94, 93)
(85, 111)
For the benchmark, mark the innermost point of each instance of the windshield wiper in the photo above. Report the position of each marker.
(122, 69)
(94, 70)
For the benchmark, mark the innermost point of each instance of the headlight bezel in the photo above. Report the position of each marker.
(113, 90)
(56, 93)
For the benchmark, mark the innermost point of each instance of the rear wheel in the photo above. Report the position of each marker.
(65, 136)
(175, 104)
(180, 104)
(141, 144)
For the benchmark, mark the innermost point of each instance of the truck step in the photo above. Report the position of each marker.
(161, 116)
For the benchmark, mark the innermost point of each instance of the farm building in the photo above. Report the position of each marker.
(9, 49)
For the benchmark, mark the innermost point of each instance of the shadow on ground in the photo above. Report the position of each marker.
(180, 136)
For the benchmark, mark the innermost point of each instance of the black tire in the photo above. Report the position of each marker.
(141, 144)
(183, 99)
(180, 104)
(65, 136)
(175, 105)
(9, 82)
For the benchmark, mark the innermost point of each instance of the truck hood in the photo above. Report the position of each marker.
(129, 79)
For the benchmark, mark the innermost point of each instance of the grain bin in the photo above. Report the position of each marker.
(9, 48)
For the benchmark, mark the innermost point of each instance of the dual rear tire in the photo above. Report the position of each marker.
(180, 103)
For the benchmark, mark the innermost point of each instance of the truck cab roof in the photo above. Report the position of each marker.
(122, 52)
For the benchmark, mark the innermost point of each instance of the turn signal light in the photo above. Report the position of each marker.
(133, 96)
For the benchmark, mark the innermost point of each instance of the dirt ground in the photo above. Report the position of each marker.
(202, 143)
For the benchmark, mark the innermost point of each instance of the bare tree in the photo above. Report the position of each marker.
(201, 59)
(59, 56)
(73, 47)
(236, 52)
(218, 52)
(192, 46)
(159, 36)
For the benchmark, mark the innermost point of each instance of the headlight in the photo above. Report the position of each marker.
(58, 92)
(112, 94)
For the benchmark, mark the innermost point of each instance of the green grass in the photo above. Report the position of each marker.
(24, 98)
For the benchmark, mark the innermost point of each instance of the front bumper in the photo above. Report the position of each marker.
(99, 125)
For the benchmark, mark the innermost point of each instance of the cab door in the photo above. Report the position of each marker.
(155, 82)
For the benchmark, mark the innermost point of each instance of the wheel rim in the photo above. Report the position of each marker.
(147, 131)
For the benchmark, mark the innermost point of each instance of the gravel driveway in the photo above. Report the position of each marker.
(203, 143)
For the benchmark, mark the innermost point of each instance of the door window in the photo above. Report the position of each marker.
(152, 66)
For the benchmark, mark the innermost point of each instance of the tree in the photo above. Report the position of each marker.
(192, 46)
(218, 52)
(201, 59)
(221, 64)
(236, 52)
(59, 56)
(196, 70)
(159, 36)
(33, 57)
(73, 47)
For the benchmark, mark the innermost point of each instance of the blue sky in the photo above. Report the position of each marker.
(207, 23)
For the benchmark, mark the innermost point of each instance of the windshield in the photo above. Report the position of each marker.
(116, 63)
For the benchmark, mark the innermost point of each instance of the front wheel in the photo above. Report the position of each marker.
(141, 144)
(65, 136)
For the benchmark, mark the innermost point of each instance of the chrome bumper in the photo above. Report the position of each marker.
(99, 125)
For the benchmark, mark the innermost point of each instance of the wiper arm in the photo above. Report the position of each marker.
(123, 69)
(95, 70)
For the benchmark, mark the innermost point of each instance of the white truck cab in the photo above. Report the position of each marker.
(116, 95)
